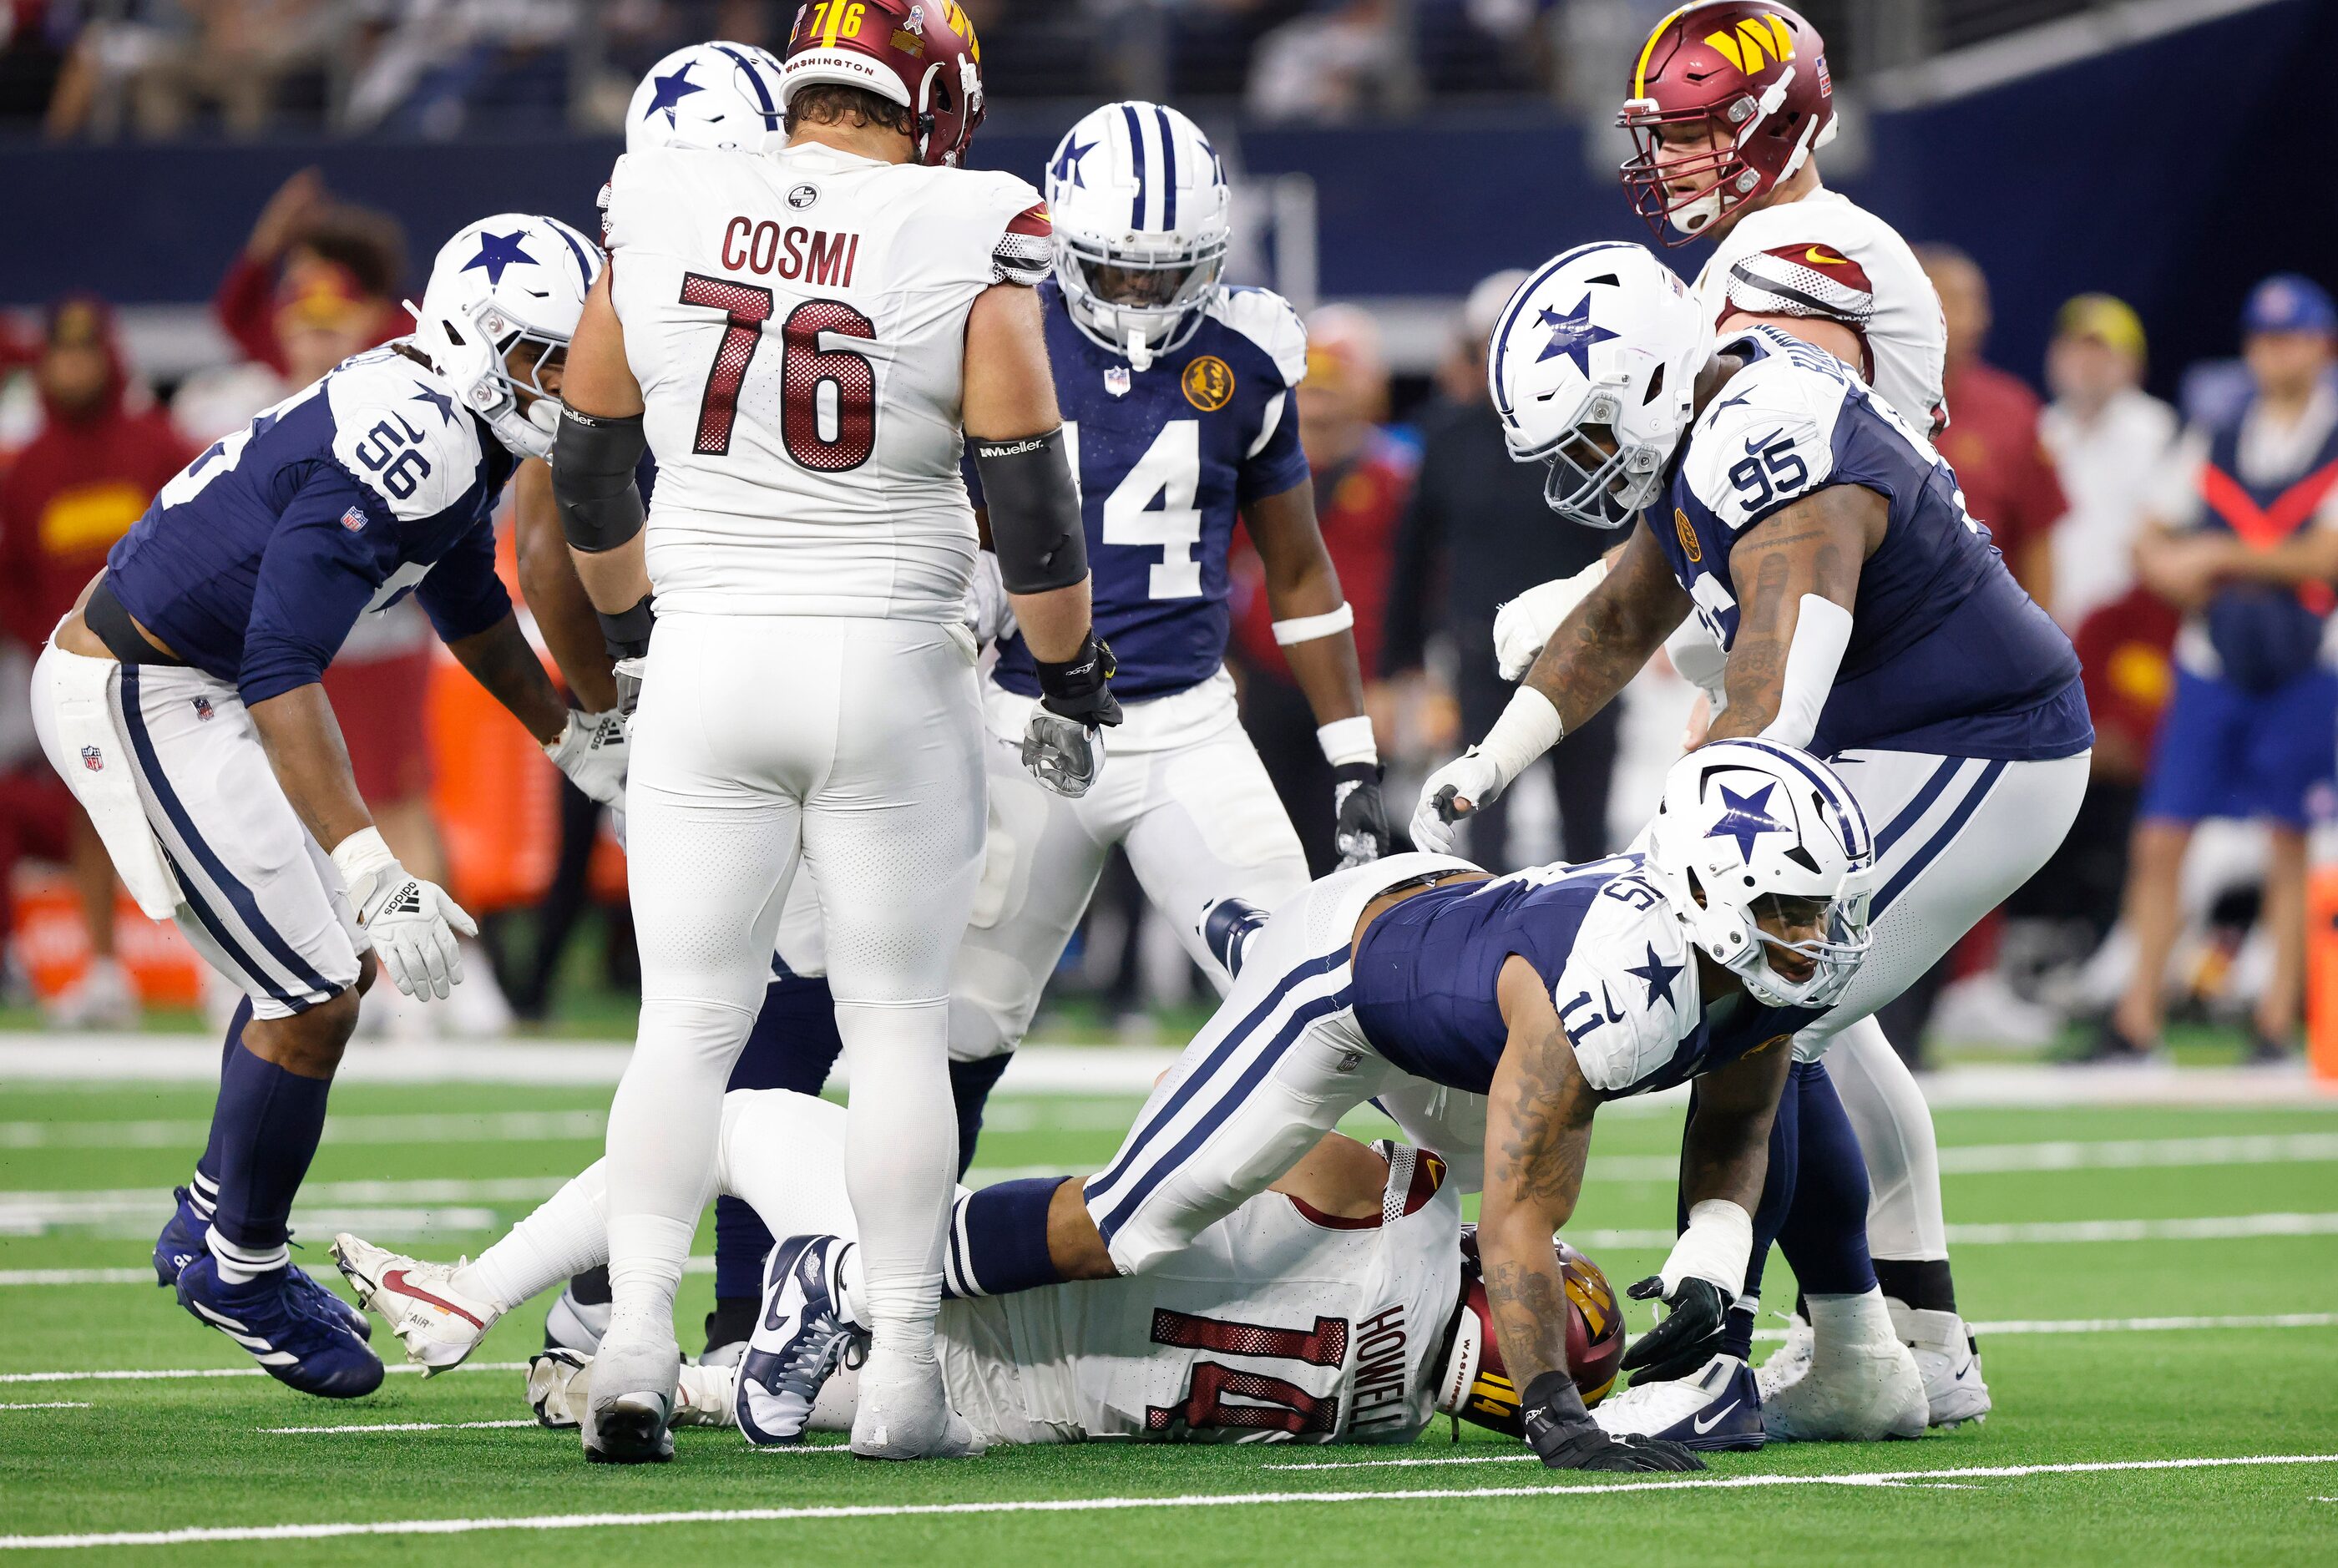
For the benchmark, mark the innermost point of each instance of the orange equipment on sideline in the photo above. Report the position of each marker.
(2322, 973)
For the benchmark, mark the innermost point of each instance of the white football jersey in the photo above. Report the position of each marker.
(1278, 1325)
(797, 323)
(1825, 255)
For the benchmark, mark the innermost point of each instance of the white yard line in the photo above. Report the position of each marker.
(1883, 1478)
(2019, 1326)
(2107, 1154)
(428, 1127)
(2215, 1227)
(103, 1216)
(177, 1373)
(398, 1427)
(50, 1405)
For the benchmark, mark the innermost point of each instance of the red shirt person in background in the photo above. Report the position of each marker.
(75, 489)
(313, 266)
(1992, 440)
(1362, 477)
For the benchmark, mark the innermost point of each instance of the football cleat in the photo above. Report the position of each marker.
(1718, 1407)
(1851, 1394)
(905, 1412)
(576, 1323)
(799, 1340)
(560, 1381)
(1954, 1392)
(301, 1345)
(628, 1414)
(1788, 1363)
(439, 1324)
(182, 1241)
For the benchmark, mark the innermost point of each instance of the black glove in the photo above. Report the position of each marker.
(1363, 834)
(1688, 1336)
(1564, 1437)
(1080, 689)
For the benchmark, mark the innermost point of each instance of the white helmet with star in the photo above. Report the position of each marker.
(715, 95)
(1593, 369)
(504, 296)
(1744, 824)
(1143, 218)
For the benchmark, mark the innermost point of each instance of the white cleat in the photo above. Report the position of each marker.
(574, 1325)
(1787, 1364)
(560, 1381)
(628, 1415)
(905, 1413)
(1861, 1386)
(1716, 1409)
(1954, 1392)
(103, 998)
(439, 1324)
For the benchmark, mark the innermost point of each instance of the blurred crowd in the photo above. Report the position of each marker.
(163, 68)
(2189, 551)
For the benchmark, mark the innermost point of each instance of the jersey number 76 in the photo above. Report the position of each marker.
(805, 367)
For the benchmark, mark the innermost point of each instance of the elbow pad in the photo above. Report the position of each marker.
(592, 462)
(1035, 512)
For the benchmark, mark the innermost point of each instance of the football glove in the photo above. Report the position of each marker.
(1564, 1437)
(1684, 1341)
(592, 751)
(410, 924)
(1062, 745)
(1469, 777)
(627, 673)
(1522, 625)
(1362, 832)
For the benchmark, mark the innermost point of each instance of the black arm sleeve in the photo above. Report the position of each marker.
(593, 463)
(1035, 512)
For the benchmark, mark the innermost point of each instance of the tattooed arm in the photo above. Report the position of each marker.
(1607, 638)
(1816, 545)
(1538, 1133)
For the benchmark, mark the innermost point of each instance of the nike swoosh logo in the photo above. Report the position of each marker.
(396, 1279)
(1703, 1426)
(1819, 257)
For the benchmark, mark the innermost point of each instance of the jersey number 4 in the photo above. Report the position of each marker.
(809, 375)
(1170, 473)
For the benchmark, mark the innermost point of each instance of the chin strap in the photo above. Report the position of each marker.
(1140, 352)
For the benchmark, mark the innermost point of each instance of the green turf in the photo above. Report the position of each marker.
(163, 1454)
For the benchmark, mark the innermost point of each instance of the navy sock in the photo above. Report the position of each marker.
(1923, 1283)
(265, 1128)
(999, 1239)
(204, 1188)
(742, 1242)
(1824, 1236)
(970, 1086)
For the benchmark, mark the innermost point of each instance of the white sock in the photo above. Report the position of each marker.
(243, 1265)
(566, 1235)
(202, 1196)
(1841, 1322)
(664, 1123)
(1887, 1109)
(900, 1165)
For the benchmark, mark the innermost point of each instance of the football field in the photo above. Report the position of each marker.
(2156, 1288)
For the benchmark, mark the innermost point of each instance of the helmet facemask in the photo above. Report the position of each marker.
(1835, 957)
(1173, 282)
(477, 354)
(1595, 480)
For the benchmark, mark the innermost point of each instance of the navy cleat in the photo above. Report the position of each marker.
(799, 1340)
(1719, 1407)
(182, 1242)
(301, 1345)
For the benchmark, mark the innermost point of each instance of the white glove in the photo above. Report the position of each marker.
(1062, 754)
(1700, 661)
(1522, 625)
(989, 614)
(1469, 777)
(410, 923)
(592, 751)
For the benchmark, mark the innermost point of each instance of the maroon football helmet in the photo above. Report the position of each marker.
(1753, 74)
(919, 54)
(1475, 1384)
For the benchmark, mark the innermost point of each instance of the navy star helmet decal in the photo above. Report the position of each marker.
(1658, 975)
(670, 91)
(1572, 336)
(497, 251)
(1068, 161)
(436, 399)
(1745, 818)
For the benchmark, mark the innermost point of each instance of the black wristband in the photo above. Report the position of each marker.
(1081, 686)
(626, 634)
(1355, 773)
(1554, 1396)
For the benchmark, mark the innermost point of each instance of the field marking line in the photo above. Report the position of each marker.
(50, 1405)
(396, 1426)
(2211, 1228)
(1869, 1478)
(175, 1374)
(1892, 1478)
(421, 1127)
(2131, 1324)
(404, 1224)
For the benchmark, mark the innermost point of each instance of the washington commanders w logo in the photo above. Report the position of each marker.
(1750, 44)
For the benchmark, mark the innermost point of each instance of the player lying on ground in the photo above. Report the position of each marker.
(181, 701)
(1826, 546)
(1421, 984)
(1343, 1306)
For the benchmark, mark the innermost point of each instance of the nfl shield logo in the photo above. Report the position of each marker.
(203, 708)
(92, 759)
(353, 519)
(1116, 380)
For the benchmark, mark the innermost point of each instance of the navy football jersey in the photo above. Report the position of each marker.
(1167, 458)
(253, 562)
(1947, 654)
(1618, 966)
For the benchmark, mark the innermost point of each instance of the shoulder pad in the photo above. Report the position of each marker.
(1267, 319)
(1768, 436)
(1627, 997)
(402, 435)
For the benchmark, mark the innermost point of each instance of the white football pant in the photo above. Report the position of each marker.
(853, 747)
